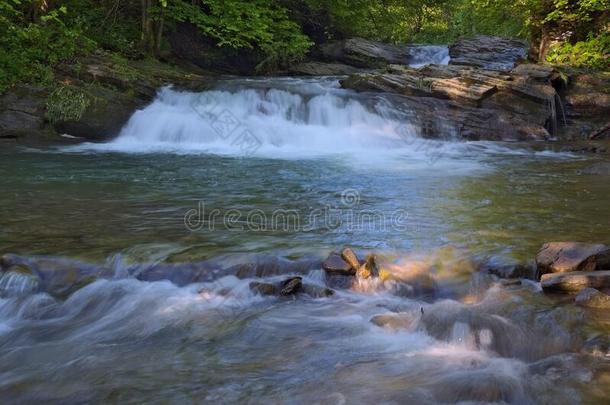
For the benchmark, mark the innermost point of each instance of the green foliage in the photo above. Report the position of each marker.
(67, 103)
(30, 48)
(593, 53)
(250, 24)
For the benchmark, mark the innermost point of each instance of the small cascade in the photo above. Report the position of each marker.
(15, 284)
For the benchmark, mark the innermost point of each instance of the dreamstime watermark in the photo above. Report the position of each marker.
(227, 126)
(347, 215)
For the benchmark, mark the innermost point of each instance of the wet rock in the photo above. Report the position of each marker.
(364, 53)
(575, 281)
(59, 277)
(510, 270)
(322, 69)
(350, 257)
(590, 297)
(291, 286)
(559, 257)
(263, 288)
(588, 95)
(368, 269)
(395, 322)
(488, 52)
(316, 291)
(335, 264)
(538, 72)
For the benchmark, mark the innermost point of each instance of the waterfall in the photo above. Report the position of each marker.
(14, 284)
(295, 117)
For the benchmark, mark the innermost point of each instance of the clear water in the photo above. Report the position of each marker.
(419, 204)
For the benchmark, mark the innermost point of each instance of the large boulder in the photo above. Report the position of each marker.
(561, 257)
(488, 52)
(575, 281)
(364, 53)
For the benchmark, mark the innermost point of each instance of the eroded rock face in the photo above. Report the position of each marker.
(560, 257)
(22, 111)
(478, 104)
(590, 297)
(575, 281)
(488, 52)
(364, 53)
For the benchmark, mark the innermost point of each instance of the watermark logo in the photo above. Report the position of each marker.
(348, 215)
(227, 126)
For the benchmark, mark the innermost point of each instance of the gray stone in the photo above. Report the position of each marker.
(575, 281)
(560, 257)
(590, 297)
(291, 286)
(350, 257)
(334, 264)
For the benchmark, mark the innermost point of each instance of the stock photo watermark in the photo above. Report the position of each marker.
(347, 215)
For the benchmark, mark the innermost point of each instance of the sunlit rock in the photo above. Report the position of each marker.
(560, 257)
(575, 281)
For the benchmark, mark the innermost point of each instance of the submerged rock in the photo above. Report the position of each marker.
(560, 257)
(590, 297)
(263, 288)
(398, 321)
(291, 286)
(575, 281)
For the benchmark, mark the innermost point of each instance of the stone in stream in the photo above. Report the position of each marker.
(590, 297)
(315, 291)
(575, 281)
(369, 268)
(561, 257)
(350, 257)
(291, 286)
(335, 264)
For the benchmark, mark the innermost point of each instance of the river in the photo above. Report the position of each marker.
(259, 169)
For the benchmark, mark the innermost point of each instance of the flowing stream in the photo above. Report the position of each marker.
(266, 176)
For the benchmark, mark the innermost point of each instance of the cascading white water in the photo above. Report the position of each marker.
(264, 119)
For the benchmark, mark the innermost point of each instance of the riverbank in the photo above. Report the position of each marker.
(486, 92)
